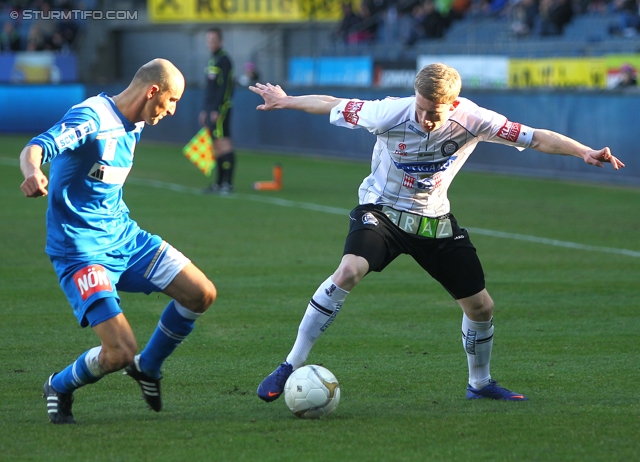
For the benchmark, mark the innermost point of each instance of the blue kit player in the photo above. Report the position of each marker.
(97, 250)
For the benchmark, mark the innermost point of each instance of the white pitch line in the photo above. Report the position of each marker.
(554, 242)
(339, 211)
(9, 161)
(250, 197)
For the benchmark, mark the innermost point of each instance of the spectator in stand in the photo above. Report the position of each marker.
(367, 29)
(628, 77)
(373, 13)
(349, 21)
(554, 16)
(459, 9)
(444, 8)
(250, 75)
(490, 7)
(428, 23)
(595, 6)
(523, 17)
(406, 7)
(356, 27)
(628, 12)
(10, 38)
(404, 20)
(67, 27)
(46, 32)
(35, 40)
(46, 26)
(57, 43)
(377, 7)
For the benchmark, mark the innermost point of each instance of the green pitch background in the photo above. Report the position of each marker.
(567, 324)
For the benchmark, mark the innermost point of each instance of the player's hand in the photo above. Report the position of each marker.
(35, 185)
(272, 95)
(603, 155)
(202, 118)
(213, 117)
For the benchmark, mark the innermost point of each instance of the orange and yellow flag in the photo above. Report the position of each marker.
(200, 151)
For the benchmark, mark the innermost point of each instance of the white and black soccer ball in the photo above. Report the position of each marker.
(312, 392)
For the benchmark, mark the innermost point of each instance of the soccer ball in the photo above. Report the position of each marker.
(312, 392)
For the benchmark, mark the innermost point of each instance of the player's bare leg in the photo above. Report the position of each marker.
(192, 289)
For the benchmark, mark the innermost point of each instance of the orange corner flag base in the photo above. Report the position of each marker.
(274, 185)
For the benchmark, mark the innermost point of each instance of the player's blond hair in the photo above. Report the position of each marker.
(438, 83)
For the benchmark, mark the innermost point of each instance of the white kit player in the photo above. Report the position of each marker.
(422, 142)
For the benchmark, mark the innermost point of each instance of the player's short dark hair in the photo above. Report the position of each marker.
(215, 30)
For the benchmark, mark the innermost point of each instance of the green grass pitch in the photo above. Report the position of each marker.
(567, 325)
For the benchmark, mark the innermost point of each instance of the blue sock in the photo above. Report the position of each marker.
(83, 371)
(175, 324)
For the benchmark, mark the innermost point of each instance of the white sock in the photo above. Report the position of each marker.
(93, 363)
(321, 311)
(477, 341)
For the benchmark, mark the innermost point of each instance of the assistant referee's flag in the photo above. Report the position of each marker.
(200, 151)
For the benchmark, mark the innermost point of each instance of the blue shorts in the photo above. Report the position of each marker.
(145, 264)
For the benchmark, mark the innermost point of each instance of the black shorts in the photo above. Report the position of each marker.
(222, 127)
(451, 261)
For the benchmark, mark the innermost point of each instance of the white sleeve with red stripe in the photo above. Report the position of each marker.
(375, 116)
(496, 128)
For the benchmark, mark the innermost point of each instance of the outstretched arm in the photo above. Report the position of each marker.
(555, 143)
(276, 98)
(35, 182)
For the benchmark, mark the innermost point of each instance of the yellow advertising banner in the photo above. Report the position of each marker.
(264, 11)
(558, 72)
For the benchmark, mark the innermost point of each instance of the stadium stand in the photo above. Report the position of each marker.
(591, 32)
(37, 25)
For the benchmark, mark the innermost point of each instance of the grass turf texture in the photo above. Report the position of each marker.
(566, 326)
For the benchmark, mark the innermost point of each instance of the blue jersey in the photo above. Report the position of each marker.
(91, 154)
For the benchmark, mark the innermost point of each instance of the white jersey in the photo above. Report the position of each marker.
(411, 169)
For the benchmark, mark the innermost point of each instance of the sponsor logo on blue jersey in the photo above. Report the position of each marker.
(108, 174)
(73, 135)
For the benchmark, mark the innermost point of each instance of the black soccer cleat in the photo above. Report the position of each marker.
(150, 387)
(58, 404)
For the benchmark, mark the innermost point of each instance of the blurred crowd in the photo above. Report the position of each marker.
(36, 25)
(409, 21)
